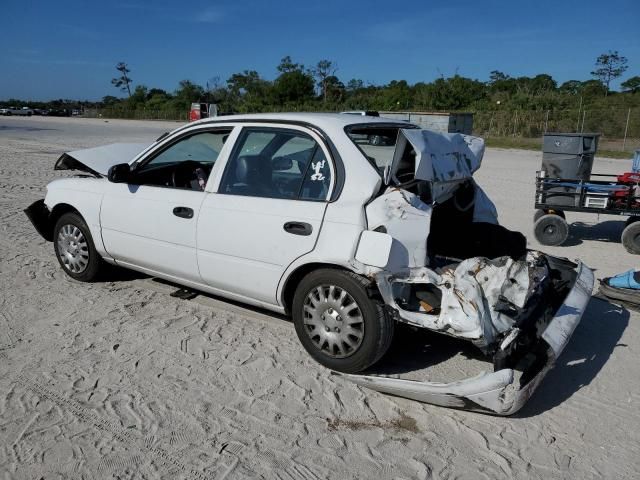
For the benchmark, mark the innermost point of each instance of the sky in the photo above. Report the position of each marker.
(69, 48)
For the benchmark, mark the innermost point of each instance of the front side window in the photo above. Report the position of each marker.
(201, 147)
(277, 163)
(185, 164)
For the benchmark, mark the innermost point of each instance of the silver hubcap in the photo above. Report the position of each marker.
(333, 320)
(73, 249)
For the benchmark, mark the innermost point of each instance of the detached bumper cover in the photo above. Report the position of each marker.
(505, 391)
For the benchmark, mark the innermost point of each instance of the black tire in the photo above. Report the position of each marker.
(631, 220)
(377, 326)
(539, 213)
(85, 253)
(631, 238)
(551, 230)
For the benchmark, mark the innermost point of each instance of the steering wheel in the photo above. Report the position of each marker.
(185, 172)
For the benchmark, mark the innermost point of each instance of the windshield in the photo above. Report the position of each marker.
(377, 142)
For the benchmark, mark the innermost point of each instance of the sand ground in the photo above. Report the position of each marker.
(119, 380)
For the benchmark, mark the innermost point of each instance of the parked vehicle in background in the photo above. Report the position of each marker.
(41, 111)
(364, 113)
(24, 111)
(59, 112)
(202, 110)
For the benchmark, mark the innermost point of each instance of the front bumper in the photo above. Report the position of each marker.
(40, 217)
(504, 391)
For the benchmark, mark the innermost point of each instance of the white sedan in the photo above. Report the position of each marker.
(296, 213)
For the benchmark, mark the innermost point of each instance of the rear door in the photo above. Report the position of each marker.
(267, 211)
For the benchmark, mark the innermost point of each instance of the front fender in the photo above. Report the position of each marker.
(83, 195)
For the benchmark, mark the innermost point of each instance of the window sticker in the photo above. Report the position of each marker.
(317, 167)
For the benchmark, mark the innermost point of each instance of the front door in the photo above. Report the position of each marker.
(267, 211)
(151, 222)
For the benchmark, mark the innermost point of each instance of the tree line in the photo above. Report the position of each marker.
(318, 88)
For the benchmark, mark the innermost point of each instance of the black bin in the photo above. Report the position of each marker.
(568, 156)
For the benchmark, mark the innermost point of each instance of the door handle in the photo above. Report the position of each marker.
(298, 228)
(183, 212)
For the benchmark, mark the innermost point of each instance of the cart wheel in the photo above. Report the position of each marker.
(631, 238)
(631, 220)
(539, 213)
(551, 229)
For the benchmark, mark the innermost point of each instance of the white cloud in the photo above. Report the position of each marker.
(209, 15)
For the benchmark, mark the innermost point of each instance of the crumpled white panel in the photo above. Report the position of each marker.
(443, 159)
(406, 219)
(472, 295)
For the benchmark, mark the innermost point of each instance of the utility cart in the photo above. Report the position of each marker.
(565, 184)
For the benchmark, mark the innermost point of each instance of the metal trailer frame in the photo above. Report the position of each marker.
(543, 184)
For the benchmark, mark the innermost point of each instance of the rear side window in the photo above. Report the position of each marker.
(377, 144)
(277, 163)
(317, 179)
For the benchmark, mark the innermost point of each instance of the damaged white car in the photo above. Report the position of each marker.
(299, 214)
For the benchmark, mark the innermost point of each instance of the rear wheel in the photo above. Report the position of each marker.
(631, 238)
(551, 230)
(337, 322)
(74, 248)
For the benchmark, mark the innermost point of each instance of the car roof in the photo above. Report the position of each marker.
(324, 121)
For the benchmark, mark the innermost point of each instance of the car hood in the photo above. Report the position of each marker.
(97, 160)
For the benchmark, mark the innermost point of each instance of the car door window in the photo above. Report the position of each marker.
(186, 163)
(317, 178)
(201, 147)
(277, 163)
(256, 142)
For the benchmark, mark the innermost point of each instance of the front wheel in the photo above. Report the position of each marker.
(74, 248)
(337, 322)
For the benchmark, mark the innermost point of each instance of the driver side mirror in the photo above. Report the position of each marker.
(119, 173)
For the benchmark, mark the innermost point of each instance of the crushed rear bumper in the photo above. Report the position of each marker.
(506, 390)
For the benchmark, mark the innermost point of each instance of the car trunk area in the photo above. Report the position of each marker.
(451, 267)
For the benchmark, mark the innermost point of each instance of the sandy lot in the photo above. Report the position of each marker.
(119, 380)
